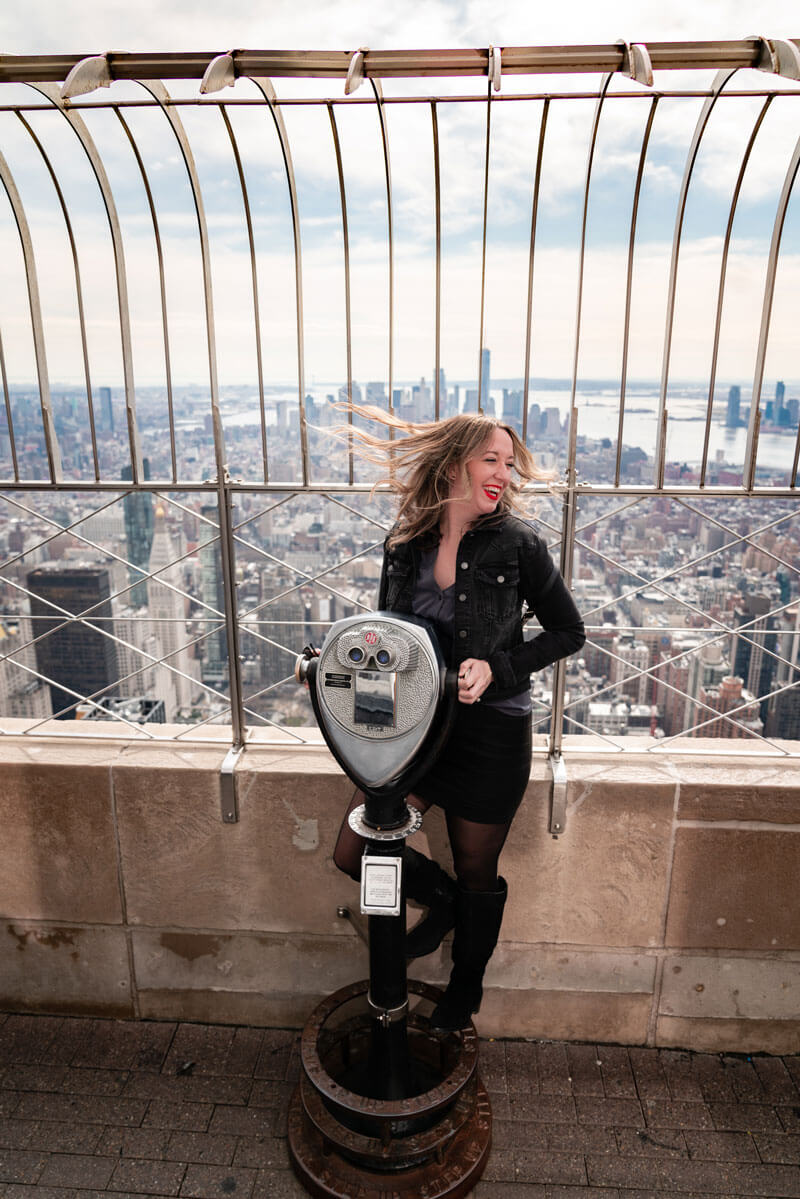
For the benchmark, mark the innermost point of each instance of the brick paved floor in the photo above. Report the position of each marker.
(91, 1107)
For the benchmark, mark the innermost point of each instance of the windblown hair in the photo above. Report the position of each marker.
(420, 462)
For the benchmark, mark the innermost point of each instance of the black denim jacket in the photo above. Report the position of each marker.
(504, 575)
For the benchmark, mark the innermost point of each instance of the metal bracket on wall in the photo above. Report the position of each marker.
(229, 797)
(558, 794)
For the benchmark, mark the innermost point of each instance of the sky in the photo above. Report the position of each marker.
(78, 26)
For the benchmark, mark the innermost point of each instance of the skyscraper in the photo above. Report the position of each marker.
(734, 400)
(74, 656)
(485, 378)
(138, 510)
(212, 592)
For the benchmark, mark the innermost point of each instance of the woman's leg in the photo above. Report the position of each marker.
(479, 914)
(476, 850)
(350, 845)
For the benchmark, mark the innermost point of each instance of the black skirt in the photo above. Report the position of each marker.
(483, 770)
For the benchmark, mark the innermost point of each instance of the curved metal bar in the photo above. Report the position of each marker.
(76, 122)
(162, 288)
(162, 97)
(227, 556)
(34, 303)
(722, 275)
(348, 327)
(526, 382)
(483, 239)
(437, 194)
(268, 92)
(629, 286)
(766, 314)
(254, 274)
(9, 418)
(378, 91)
(720, 79)
(582, 255)
(78, 287)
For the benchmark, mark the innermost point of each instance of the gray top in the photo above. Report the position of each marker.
(438, 607)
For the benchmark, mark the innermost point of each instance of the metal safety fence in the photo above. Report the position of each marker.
(193, 283)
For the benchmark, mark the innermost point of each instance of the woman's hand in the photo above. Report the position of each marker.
(474, 676)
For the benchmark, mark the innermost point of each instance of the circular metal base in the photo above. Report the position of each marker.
(344, 1143)
(359, 825)
(453, 1171)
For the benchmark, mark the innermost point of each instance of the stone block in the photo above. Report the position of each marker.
(48, 968)
(564, 1015)
(762, 791)
(603, 882)
(521, 967)
(735, 889)
(269, 979)
(58, 850)
(728, 1036)
(271, 870)
(730, 988)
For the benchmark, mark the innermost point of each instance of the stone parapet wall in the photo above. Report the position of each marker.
(668, 913)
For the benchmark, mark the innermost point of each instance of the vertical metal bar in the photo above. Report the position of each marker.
(629, 286)
(254, 276)
(268, 92)
(437, 198)
(721, 290)
(720, 79)
(568, 518)
(9, 419)
(53, 93)
(78, 287)
(376, 87)
(228, 559)
(162, 289)
(526, 382)
(483, 239)
(347, 312)
(34, 303)
(766, 315)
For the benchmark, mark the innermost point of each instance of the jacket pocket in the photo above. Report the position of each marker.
(498, 596)
(397, 578)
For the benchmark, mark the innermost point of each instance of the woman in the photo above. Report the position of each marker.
(458, 558)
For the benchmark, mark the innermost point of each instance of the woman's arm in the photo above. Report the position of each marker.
(562, 634)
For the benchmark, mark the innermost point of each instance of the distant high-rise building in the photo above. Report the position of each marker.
(138, 510)
(486, 371)
(732, 419)
(106, 410)
(783, 708)
(74, 656)
(166, 606)
(752, 651)
(212, 592)
(730, 696)
(781, 416)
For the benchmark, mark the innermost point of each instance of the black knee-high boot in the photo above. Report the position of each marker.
(479, 915)
(426, 882)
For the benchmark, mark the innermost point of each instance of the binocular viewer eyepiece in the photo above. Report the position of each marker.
(382, 697)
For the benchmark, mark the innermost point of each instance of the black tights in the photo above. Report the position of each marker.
(476, 848)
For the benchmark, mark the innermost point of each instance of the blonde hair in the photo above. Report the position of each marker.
(419, 465)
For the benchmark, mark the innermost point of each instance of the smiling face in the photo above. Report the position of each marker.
(488, 475)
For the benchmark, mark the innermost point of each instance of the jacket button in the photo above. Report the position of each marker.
(462, 632)
(501, 578)
(462, 597)
(465, 565)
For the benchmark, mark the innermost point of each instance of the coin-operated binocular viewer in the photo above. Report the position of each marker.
(382, 1093)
